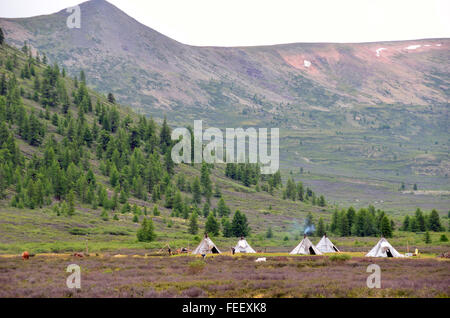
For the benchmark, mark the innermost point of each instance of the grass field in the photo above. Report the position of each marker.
(282, 275)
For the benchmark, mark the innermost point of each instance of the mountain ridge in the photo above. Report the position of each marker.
(126, 38)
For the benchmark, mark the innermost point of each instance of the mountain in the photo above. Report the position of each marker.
(371, 114)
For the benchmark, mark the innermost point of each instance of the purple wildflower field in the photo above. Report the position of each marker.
(223, 276)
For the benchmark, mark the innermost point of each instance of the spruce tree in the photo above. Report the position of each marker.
(205, 181)
(427, 238)
(222, 208)
(227, 228)
(146, 232)
(385, 227)
(193, 224)
(434, 221)
(334, 226)
(291, 192)
(196, 191)
(420, 219)
(322, 202)
(111, 98)
(114, 176)
(2, 36)
(217, 193)
(71, 198)
(239, 224)
(320, 227)
(269, 233)
(211, 225)
(3, 86)
(165, 136)
(206, 208)
(405, 224)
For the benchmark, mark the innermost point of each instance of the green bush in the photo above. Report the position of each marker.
(196, 267)
(443, 238)
(340, 257)
(146, 232)
(78, 231)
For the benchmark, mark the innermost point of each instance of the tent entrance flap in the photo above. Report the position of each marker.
(311, 251)
(389, 254)
(214, 250)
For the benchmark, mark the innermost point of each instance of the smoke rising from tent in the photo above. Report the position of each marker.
(309, 229)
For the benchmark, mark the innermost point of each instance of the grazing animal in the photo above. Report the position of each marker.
(25, 255)
(78, 254)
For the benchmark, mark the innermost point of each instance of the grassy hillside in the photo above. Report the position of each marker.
(35, 207)
(79, 170)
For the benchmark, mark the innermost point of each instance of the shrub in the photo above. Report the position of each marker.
(340, 257)
(269, 233)
(194, 292)
(146, 232)
(196, 267)
(104, 215)
(443, 238)
(116, 232)
(78, 231)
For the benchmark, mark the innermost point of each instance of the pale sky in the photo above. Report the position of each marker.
(263, 22)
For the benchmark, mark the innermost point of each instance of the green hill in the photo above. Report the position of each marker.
(77, 167)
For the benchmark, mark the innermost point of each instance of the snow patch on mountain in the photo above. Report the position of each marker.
(413, 47)
(379, 50)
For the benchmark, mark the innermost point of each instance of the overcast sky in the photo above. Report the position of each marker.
(258, 22)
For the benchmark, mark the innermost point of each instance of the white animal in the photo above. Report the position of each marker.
(260, 259)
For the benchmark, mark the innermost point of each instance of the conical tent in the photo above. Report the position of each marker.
(326, 246)
(306, 247)
(206, 246)
(383, 249)
(242, 246)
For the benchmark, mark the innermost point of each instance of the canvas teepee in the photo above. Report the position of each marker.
(206, 246)
(306, 247)
(326, 246)
(242, 246)
(383, 249)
